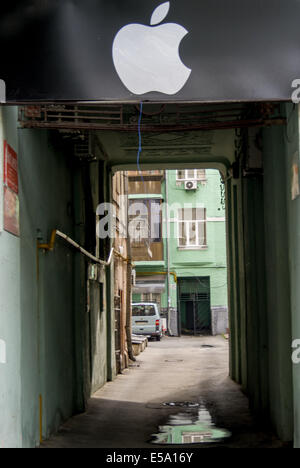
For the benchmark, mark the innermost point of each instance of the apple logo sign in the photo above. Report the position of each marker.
(147, 58)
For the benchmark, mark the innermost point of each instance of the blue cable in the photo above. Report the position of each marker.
(138, 159)
(140, 141)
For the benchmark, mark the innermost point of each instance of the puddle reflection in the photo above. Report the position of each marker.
(190, 427)
(183, 404)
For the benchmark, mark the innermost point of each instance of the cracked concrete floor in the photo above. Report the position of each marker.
(124, 413)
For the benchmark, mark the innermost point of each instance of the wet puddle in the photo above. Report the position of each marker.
(183, 404)
(190, 427)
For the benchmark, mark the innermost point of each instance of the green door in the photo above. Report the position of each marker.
(194, 304)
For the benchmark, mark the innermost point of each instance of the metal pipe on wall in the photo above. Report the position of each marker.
(56, 232)
(168, 253)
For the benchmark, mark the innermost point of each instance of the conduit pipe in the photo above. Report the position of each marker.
(50, 247)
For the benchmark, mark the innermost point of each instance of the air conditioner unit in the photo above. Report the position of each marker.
(191, 185)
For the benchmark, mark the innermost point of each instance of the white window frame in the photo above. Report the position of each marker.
(188, 224)
(186, 172)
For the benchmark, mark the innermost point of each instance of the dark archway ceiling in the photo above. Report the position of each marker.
(172, 135)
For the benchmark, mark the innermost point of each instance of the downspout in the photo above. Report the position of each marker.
(128, 289)
(168, 252)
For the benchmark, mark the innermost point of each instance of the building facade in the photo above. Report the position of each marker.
(185, 212)
(122, 274)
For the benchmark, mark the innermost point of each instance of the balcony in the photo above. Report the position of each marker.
(145, 182)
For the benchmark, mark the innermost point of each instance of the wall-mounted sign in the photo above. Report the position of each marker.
(11, 212)
(10, 169)
(156, 50)
(146, 56)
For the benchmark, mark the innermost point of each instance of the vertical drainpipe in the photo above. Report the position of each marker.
(168, 252)
(111, 360)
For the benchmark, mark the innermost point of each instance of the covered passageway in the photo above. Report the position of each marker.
(89, 89)
(255, 148)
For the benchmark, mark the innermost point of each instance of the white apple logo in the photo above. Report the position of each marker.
(147, 57)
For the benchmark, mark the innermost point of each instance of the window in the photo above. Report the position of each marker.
(143, 311)
(196, 437)
(192, 227)
(145, 182)
(145, 220)
(191, 174)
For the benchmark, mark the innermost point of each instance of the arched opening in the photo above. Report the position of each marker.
(253, 146)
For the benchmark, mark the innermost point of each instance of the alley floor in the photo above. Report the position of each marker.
(126, 412)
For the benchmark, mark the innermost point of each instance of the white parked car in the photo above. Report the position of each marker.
(146, 320)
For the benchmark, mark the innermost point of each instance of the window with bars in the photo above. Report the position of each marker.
(191, 174)
(192, 227)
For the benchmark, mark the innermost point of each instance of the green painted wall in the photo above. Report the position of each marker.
(260, 323)
(278, 288)
(291, 138)
(48, 339)
(211, 261)
(54, 347)
(252, 302)
(10, 313)
(64, 345)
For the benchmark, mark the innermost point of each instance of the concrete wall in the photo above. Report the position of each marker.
(278, 291)
(260, 317)
(236, 281)
(253, 312)
(52, 353)
(64, 341)
(10, 313)
(291, 139)
(248, 315)
(48, 339)
(219, 320)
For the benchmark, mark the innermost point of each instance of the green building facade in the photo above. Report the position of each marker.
(190, 279)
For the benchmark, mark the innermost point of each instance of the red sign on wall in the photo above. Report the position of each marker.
(11, 179)
(11, 212)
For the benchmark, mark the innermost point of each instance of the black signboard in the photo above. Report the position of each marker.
(138, 50)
